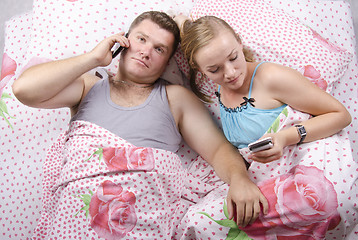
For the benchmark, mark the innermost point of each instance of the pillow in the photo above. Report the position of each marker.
(64, 28)
(274, 36)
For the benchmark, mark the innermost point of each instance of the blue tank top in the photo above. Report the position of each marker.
(245, 123)
(150, 124)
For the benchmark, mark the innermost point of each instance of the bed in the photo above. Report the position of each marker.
(315, 37)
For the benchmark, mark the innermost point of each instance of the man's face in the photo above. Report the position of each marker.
(148, 54)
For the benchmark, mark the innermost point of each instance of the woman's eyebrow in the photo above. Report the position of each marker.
(228, 56)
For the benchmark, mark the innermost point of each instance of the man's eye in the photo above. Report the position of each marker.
(160, 50)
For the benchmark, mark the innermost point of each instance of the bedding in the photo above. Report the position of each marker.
(310, 191)
(272, 35)
(27, 133)
(97, 185)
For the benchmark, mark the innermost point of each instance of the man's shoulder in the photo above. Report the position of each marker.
(181, 97)
(174, 89)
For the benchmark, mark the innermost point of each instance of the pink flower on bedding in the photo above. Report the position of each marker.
(8, 69)
(112, 211)
(128, 158)
(326, 43)
(115, 158)
(34, 61)
(302, 205)
(314, 76)
(140, 158)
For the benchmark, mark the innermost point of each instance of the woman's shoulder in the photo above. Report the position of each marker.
(273, 73)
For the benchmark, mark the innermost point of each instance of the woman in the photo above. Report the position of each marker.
(252, 94)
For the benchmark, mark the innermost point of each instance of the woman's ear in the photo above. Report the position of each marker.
(238, 38)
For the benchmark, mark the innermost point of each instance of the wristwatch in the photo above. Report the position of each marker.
(302, 132)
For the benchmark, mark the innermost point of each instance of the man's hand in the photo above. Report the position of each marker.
(244, 201)
(103, 51)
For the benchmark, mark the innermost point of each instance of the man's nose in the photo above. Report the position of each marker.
(145, 51)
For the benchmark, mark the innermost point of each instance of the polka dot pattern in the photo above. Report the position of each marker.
(62, 28)
(296, 34)
(71, 169)
(54, 27)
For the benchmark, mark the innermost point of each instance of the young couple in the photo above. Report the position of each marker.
(137, 97)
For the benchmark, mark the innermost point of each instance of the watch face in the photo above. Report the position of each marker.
(302, 130)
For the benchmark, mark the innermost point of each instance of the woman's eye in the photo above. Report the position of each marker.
(234, 58)
(214, 70)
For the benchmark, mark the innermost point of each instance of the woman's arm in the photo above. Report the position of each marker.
(291, 87)
(200, 132)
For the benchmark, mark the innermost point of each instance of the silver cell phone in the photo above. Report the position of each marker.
(262, 144)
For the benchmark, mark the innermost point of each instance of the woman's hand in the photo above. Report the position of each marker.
(244, 201)
(271, 154)
(180, 19)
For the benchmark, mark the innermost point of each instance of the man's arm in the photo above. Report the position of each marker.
(200, 132)
(62, 83)
(53, 84)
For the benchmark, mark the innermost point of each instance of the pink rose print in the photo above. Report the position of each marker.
(7, 71)
(314, 76)
(112, 211)
(34, 61)
(302, 205)
(129, 158)
(324, 42)
(115, 158)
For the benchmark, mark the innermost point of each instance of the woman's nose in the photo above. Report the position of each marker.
(229, 71)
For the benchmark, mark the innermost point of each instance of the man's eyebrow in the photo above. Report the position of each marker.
(144, 35)
(156, 43)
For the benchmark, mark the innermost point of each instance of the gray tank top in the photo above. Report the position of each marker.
(150, 124)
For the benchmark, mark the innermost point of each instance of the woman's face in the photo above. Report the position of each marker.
(223, 60)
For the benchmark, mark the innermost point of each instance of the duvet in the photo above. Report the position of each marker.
(99, 186)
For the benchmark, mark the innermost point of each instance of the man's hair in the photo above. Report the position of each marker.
(163, 20)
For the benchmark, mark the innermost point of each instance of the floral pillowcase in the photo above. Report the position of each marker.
(273, 35)
(65, 28)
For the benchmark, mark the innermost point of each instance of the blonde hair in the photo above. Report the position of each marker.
(198, 34)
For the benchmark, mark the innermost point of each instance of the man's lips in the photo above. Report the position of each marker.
(141, 62)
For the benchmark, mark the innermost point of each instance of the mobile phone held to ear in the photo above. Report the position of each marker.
(262, 144)
(119, 49)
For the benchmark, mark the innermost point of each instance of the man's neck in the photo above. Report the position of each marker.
(129, 94)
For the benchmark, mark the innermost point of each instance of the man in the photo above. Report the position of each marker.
(152, 40)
